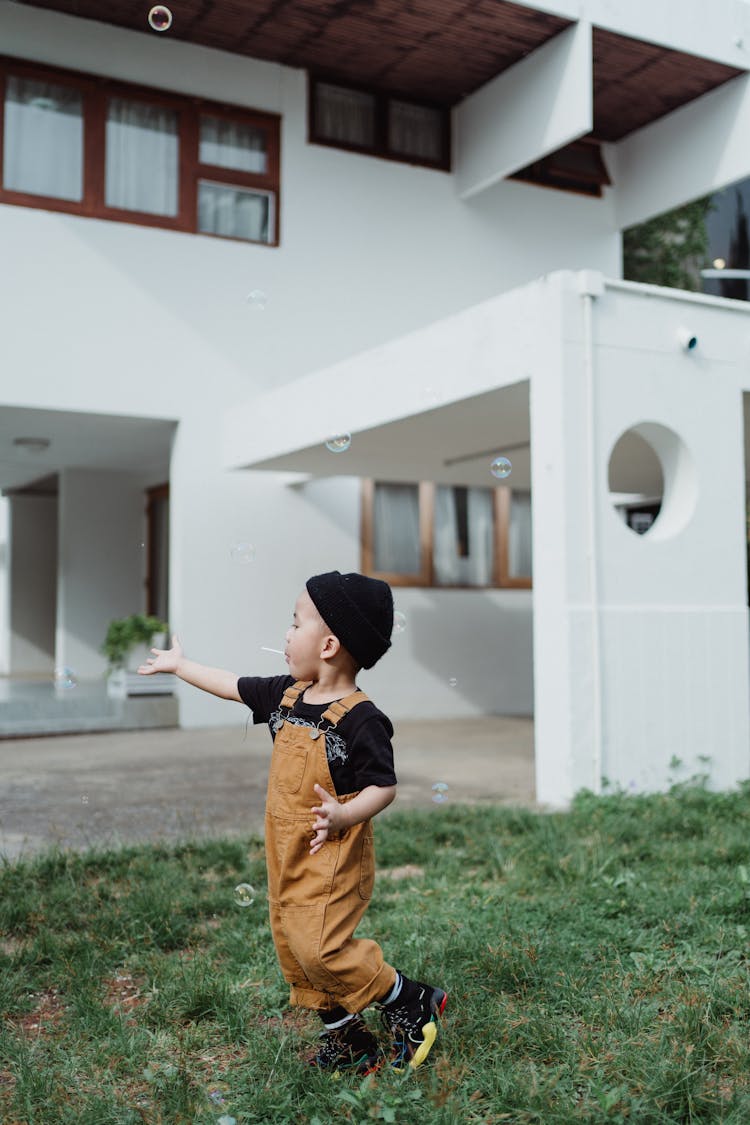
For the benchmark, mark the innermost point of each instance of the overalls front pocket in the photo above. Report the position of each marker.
(287, 767)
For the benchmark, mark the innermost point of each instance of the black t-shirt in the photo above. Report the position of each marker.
(359, 750)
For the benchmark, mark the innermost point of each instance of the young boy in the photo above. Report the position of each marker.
(332, 743)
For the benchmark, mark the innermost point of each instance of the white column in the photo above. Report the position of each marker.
(101, 562)
(563, 651)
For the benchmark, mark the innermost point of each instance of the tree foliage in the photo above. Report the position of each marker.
(669, 249)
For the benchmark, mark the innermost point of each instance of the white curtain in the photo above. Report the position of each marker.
(234, 212)
(396, 528)
(415, 130)
(43, 148)
(519, 536)
(344, 115)
(142, 157)
(231, 144)
(450, 567)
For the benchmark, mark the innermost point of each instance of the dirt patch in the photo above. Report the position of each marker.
(123, 993)
(408, 871)
(47, 1013)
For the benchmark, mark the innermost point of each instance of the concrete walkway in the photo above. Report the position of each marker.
(78, 791)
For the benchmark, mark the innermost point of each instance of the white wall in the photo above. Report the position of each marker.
(101, 563)
(369, 248)
(154, 323)
(655, 627)
(33, 554)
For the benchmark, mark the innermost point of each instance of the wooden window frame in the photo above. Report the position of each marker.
(94, 92)
(380, 148)
(501, 576)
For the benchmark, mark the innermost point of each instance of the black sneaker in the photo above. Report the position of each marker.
(351, 1047)
(412, 1019)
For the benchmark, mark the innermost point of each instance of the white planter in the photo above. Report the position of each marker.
(122, 682)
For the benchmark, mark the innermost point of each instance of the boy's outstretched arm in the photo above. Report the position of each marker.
(214, 680)
(331, 816)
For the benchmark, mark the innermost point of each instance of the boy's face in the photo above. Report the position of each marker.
(305, 639)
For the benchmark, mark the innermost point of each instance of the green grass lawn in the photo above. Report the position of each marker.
(596, 963)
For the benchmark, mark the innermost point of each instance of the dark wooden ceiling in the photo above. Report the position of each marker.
(636, 82)
(431, 50)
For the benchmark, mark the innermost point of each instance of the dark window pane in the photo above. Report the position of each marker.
(346, 116)
(415, 130)
(463, 546)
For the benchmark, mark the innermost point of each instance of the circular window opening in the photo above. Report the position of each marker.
(652, 483)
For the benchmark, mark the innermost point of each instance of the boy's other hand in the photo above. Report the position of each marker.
(329, 818)
(163, 660)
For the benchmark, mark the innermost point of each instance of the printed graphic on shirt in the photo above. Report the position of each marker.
(335, 744)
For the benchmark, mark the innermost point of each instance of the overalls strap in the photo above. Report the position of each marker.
(293, 692)
(338, 710)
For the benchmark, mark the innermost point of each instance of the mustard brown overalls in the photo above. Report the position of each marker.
(316, 901)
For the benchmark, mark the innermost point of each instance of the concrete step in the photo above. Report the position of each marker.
(39, 707)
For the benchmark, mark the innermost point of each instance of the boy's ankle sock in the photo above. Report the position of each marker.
(335, 1017)
(395, 991)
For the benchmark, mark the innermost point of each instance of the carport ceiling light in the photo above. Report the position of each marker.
(32, 444)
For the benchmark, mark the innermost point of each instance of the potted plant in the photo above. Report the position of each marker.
(127, 645)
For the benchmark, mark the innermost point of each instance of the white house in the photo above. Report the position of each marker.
(229, 241)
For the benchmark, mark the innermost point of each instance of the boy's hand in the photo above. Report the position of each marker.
(163, 660)
(330, 818)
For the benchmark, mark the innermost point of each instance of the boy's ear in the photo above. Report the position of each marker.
(330, 647)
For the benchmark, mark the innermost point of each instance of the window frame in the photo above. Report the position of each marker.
(501, 576)
(380, 148)
(95, 92)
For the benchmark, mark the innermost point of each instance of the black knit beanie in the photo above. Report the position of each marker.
(358, 610)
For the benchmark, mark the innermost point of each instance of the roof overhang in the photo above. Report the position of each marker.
(69, 439)
(646, 63)
(436, 404)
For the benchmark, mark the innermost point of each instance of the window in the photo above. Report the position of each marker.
(86, 145)
(43, 138)
(379, 125)
(141, 157)
(446, 535)
(578, 167)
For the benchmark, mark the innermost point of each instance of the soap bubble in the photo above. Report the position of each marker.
(399, 621)
(339, 443)
(85, 799)
(440, 792)
(65, 679)
(453, 682)
(160, 18)
(243, 552)
(244, 895)
(257, 300)
(216, 1097)
(501, 468)
(226, 1119)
